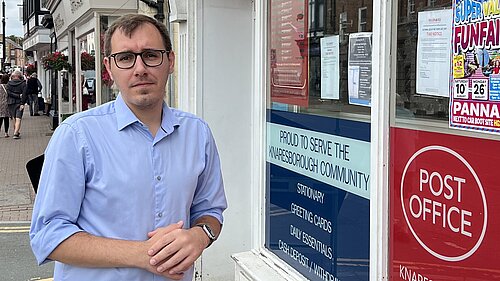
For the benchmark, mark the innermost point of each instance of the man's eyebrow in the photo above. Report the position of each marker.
(142, 50)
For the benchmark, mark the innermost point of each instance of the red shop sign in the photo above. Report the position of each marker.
(444, 192)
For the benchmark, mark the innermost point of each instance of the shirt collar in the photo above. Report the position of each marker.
(125, 116)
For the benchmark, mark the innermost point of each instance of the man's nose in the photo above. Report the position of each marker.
(139, 67)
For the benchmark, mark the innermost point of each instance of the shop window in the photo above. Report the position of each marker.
(87, 70)
(447, 121)
(108, 91)
(318, 136)
(423, 65)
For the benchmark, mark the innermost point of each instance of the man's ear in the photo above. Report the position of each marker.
(107, 64)
(171, 61)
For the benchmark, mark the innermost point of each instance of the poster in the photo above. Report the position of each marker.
(443, 224)
(289, 53)
(330, 67)
(360, 68)
(318, 207)
(433, 52)
(475, 88)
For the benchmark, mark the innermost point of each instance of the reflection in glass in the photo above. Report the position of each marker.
(87, 71)
(297, 73)
(410, 103)
(108, 91)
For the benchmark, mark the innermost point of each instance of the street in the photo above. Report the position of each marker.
(17, 261)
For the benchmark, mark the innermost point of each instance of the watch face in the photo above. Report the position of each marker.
(209, 232)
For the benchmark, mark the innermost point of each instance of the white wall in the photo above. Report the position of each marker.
(223, 97)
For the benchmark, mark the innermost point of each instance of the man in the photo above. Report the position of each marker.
(16, 98)
(33, 87)
(130, 190)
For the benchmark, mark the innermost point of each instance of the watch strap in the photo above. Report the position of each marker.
(208, 231)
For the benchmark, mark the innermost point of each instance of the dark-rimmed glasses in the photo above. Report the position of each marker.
(151, 58)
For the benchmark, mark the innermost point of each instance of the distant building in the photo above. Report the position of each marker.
(14, 54)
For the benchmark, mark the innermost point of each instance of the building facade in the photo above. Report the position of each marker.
(341, 126)
(36, 43)
(348, 133)
(15, 55)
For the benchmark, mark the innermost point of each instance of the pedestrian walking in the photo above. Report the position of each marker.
(33, 87)
(16, 91)
(131, 189)
(4, 108)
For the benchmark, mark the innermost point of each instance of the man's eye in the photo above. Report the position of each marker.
(125, 57)
(150, 55)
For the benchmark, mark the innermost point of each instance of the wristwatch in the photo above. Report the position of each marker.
(209, 232)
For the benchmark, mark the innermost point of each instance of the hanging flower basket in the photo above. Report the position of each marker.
(88, 61)
(56, 61)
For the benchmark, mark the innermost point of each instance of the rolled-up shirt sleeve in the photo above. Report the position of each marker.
(60, 193)
(209, 198)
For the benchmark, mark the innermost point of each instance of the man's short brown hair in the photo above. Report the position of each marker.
(129, 23)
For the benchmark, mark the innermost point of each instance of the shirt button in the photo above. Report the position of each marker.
(160, 215)
(158, 178)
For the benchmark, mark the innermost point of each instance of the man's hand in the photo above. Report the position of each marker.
(154, 237)
(176, 250)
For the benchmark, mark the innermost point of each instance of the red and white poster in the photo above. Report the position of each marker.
(444, 198)
(289, 53)
(475, 87)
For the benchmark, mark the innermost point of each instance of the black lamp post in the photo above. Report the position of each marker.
(3, 36)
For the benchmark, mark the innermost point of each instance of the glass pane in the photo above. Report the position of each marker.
(87, 70)
(108, 91)
(318, 137)
(297, 71)
(68, 100)
(425, 97)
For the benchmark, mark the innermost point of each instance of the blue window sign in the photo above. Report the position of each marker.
(318, 195)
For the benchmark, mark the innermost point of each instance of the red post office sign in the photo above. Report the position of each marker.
(444, 193)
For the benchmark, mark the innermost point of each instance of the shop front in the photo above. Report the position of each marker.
(444, 193)
(79, 28)
(379, 140)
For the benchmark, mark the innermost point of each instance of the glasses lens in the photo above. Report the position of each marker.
(152, 57)
(125, 60)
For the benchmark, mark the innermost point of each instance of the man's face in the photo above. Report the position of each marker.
(142, 87)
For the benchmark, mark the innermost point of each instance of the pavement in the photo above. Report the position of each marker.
(16, 192)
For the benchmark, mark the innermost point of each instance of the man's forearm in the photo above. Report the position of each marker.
(86, 250)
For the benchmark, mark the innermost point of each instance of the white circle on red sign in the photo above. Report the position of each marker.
(444, 203)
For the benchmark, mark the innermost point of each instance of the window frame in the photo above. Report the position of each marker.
(362, 23)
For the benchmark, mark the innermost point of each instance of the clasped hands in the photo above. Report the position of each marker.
(173, 250)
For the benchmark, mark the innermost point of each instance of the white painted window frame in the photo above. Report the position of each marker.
(383, 68)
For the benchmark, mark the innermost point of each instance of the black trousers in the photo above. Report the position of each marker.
(4, 120)
(33, 104)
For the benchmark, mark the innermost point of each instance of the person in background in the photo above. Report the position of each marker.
(4, 108)
(16, 91)
(131, 189)
(33, 87)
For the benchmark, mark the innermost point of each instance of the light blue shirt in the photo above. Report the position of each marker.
(105, 174)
